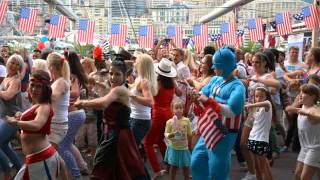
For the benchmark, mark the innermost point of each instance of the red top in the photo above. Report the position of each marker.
(31, 114)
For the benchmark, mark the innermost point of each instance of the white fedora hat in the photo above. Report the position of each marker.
(165, 68)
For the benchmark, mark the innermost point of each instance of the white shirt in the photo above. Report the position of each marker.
(241, 67)
(3, 71)
(309, 134)
(183, 73)
(290, 68)
(261, 125)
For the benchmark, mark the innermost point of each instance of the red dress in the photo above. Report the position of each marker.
(161, 112)
(117, 156)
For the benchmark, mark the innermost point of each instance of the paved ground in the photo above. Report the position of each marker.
(282, 169)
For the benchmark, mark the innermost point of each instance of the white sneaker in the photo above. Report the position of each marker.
(249, 176)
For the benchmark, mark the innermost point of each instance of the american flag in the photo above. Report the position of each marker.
(255, 29)
(119, 33)
(28, 18)
(298, 17)
(200, 36)
(239, 41)
(3, 10)
(146, 35)
(283, 23)
(57, 26)
(176, 34)
(216, 38)
(228, 31)
(311, 16)
(185, 42)
(208, 129)
(86, 31)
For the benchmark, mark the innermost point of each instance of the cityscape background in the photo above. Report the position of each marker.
(159, 13)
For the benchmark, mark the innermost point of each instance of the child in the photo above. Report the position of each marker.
(178, 136)
(258, 142)
(309, 131)
(87, 132)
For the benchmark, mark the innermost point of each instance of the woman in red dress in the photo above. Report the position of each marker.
(161, 112)
(117, 156)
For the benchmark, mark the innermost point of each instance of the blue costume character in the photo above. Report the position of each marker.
(227, 94)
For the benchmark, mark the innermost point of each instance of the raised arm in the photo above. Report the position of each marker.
(12, 90)
(33, 125)
(116, 94)
(147, 98)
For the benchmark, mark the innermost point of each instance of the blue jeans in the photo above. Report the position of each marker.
(139, 128)
(75, 120)
(212, 164)
(7, 132)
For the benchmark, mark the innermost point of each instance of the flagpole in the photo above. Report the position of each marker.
(315, 31)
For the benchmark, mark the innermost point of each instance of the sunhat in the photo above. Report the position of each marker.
(165, 68)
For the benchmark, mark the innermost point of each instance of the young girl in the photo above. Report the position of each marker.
(178, 137)
(309, 132)
(258, 142)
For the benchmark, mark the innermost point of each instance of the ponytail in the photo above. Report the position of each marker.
(60, 64)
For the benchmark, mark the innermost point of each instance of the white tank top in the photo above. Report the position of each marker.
(261, 125)
(60, 107)
(139, 111)
(309, 134)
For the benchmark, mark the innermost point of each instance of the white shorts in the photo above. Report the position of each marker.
(309, 157)
(58, 132)
(46, 165)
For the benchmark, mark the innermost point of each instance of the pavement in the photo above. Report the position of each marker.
(283, 168)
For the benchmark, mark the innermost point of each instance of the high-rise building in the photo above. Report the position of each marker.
(132, 8)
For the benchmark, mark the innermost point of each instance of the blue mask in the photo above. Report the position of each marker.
(224, 59)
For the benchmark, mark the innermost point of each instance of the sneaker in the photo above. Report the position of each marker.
(243, 166)
(249, 176)
(159, 174)
(284, 149)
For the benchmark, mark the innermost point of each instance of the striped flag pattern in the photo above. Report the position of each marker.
(208, 129)
(228, 31)
(86, 31)
(200, 36)
(146, 35)
(57, 26)
(176, 34)
(28, 18)
(3, 10)
(255, 27)
(311, 16)
(239, 41)
(283, 23)
(216, 38)
(119, 33)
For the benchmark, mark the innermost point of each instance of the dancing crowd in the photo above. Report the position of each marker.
(195, 108)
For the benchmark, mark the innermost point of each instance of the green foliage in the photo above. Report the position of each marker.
(251, 47)
(83, 50)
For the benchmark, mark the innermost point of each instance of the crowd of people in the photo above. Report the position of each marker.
(196, 108)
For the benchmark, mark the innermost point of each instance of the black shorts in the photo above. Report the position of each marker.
(260, 148)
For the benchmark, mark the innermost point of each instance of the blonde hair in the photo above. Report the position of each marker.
(40, 64)
(18, 58)
(189, 60)
(145, 69)
(60, 64)
(88, 62)
(176, 101)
